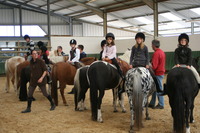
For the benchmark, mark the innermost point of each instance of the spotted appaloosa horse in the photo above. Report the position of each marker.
(64, 73)
(10, 66)
(181, 88)
(139, 86)
(102, 76)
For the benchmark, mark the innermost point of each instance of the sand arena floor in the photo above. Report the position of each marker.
(65, 120)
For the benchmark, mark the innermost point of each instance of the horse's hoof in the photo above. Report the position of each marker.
(148, 118)
(66, 104)
(81, 109)
(115, 111)
(131, 131)
(123, 111)
(100, 121)
(192, 121)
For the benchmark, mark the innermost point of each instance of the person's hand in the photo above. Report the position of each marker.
(147, 66)
(177, 65)
(188, 67)
(40, 80)
(130, 66)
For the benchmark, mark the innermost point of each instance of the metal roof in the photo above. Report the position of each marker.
(133, 15)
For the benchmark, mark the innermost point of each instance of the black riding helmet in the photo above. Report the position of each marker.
(103, 42)
(110, 35)
(43, 49)
(73, 41)
(40, 44)
(26, 36)
(183, 35)
(140, 35)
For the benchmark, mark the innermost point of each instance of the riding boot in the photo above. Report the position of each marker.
(72, 91)
(28, 109)
(77, 65)
(53, 106)
(49, 79)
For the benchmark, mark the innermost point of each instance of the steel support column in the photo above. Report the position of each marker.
(49, 20)
(104, 23)
(155, 12)
(20, 20)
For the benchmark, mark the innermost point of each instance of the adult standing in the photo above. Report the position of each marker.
(158, 66)
(38, 78)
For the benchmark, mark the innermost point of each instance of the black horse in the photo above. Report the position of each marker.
(25, 78)
(81, 86)
(181, 88)
(102, 76)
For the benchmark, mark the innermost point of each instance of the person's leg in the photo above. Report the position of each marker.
(29, 100)
(44, 92)
(114, 62)
(158, 89)
(77, 65)
(160, 98)
(153, 100)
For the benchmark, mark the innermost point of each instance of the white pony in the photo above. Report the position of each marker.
(10, 66)
(126, 56)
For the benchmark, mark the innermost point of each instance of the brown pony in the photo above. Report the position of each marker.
(18, 73)
(64, 73)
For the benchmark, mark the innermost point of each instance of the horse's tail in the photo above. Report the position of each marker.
(7, 76)
(93, 93)
(54, 87)
(138, 102)
(178, 107)
(76, 88)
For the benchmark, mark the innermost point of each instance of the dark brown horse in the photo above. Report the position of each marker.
(64, 73)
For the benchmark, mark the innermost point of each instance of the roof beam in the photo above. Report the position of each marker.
(131, 23)
(64, 8)
(149, 3)
(129, 6)
(37, 9)
(177, 13)
(93, 9)
(53, 2)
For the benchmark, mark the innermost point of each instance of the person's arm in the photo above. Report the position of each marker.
(155, 61)
(69, 56)
(132, 55)
(44, 69)
(114, 52)
(189, 57)
(77, 57)
(176, 57)
(104, 53)
(147, 56)
(42, 77)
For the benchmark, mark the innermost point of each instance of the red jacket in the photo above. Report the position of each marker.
(158, 62)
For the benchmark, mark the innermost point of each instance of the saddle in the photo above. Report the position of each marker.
(108, 60)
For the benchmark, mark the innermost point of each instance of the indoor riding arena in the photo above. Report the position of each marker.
(135, 61)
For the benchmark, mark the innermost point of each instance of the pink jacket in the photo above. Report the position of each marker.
(110, 52)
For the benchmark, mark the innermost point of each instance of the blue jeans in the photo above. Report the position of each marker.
(160, 98)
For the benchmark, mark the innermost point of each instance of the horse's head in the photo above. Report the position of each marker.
(123, 65)
(88, 60)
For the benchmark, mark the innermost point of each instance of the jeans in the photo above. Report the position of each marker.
(160, 98)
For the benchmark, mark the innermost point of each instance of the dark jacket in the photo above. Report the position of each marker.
(82, 55)
(139, 56)
(45, 58)
(37, 68)
(100, 55)
(183, 55)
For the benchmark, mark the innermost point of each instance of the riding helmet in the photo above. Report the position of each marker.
(110, 35)
(140, 35)
(26, 36)
(73, 41)
(183, 35)
(103, 42)
(40, 44)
